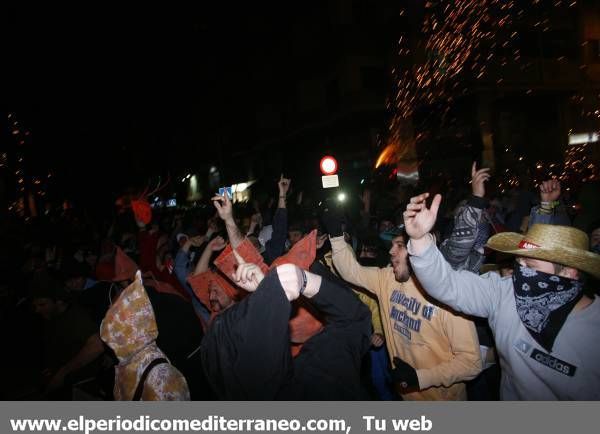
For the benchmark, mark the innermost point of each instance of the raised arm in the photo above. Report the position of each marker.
(275, 247)
(225, 210)
(344, 260)
(182, 259)
(340, 306)
(550, 210)
(216, 244)
(351, 271)
(459, 247)
(462, 290)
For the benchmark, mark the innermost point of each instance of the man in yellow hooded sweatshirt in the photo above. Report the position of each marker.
(433, 350)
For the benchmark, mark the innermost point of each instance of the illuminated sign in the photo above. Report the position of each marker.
(580, 139)
(328, 165)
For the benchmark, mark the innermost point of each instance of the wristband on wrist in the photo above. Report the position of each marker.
(548, 207)
(478, 202)
(304, 281)
(550, 204)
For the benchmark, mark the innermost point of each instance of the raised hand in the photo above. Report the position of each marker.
(284, 185)
(224, 207)
(256, 219)
(321, 241)
(418, 219)
(550, 190)
(478, 179)
(247, 276)
(216, 244)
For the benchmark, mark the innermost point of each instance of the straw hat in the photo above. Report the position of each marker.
(563, 245)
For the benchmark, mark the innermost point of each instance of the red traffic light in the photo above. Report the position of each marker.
(328, 165)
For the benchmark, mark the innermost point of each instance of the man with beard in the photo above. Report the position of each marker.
(543, 324)
(433, 350)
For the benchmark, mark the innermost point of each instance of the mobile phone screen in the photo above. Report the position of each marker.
(224, 190)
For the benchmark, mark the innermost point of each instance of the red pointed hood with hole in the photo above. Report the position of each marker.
(227, 264)
(302, 254)
(200, 283)
(125, 267)
(142, 210)
(304, 324)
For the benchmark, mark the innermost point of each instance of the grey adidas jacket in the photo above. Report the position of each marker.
(570, 372)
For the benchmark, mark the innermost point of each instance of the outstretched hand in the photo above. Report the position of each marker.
(321, 241)
(247, 275)
(284, 185)
(418, 219)
(223, 206)
(478, 179)
(550, 190)
(216, 244)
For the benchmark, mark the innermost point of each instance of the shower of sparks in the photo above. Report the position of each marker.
(464, 44)
(461, 38)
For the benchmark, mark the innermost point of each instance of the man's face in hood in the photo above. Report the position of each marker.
(218, 298)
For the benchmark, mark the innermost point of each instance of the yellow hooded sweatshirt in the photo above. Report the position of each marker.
(442, 347)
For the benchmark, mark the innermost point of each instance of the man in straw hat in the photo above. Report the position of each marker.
(543, 324)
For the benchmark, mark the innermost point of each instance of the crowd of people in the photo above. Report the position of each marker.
(482, 297)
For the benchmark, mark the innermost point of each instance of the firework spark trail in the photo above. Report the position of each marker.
(460, 36)
(461, 40)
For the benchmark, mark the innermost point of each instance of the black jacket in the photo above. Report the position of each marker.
(246, 350)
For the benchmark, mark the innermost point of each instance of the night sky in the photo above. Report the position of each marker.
(117, 95)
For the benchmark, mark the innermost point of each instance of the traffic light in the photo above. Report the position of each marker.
(329, 167)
